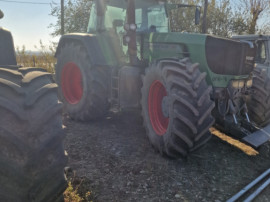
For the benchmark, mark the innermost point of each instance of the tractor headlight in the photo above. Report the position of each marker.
(133, 27)
(235, 84)
(249, 83)
(238, 84)
(241, 84)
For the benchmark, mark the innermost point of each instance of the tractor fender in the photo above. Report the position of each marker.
(7, 51)
(89, 42)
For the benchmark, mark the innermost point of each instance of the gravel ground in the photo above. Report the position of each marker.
(113, 159)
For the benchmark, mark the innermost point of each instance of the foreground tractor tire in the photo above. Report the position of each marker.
(83, 89)
(176, 107)
(259, 100)
(32, 157)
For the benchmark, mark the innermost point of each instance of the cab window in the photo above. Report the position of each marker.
(151, 17)
(114, 18)
(261, 52)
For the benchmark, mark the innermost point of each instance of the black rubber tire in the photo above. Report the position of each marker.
(259, 100)
(32, 157)
(189, 107)
(95, 80)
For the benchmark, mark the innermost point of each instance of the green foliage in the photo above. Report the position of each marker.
(219, 18)
(44, 57)
(183, 19)
(76, 16)
(239, 25)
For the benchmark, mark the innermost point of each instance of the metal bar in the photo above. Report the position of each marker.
(247, 117)
(258, 191)
(249, 186)
(235, 119)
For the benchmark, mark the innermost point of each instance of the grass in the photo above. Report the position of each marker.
(77, 190)
(43, 57)
(71, 194)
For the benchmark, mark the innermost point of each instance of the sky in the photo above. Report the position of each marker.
(28, 23)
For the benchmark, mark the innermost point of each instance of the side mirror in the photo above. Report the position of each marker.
(197, 16)
(1, 14)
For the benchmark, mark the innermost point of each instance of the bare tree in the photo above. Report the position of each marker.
(255, 8)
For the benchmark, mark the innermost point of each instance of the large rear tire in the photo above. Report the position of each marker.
(176, 107)
(82, 88)
(32, 157)
(259, 100)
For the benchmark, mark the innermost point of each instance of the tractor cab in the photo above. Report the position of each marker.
(129, 22)
(139, 15)
(127, 15)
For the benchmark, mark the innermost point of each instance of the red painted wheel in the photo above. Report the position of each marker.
(176, 111)
(71, 83)
(155, 97)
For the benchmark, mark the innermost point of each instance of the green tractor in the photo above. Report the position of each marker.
(32, 157)
(182, 82)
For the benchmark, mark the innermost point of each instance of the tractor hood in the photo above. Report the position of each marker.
(222, 56)
(222, 59)
(225, 56)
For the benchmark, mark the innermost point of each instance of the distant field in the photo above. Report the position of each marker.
(45, 61)
(43, 57)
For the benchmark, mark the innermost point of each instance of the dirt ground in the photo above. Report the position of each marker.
(113, 159)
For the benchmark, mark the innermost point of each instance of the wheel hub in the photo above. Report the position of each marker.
(165, 106)
(158, 108)
(71, 83)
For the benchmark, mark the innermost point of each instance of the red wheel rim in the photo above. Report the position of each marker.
(71, 83)
(156, 94)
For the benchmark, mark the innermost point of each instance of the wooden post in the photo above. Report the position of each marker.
(204, 24)
(62, 18)
(34, 61)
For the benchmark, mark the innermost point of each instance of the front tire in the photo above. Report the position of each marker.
(259, 100)
(176, 107)
(32, 157)
(83, 89)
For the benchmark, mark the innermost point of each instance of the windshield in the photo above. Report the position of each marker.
(182, 18)
(151, 16)
(114, 17)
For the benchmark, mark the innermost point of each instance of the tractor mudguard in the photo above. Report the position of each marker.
(91, 44)
(7, 51)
